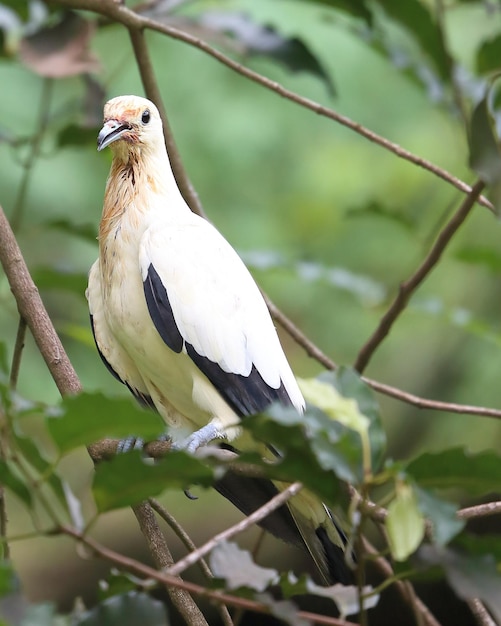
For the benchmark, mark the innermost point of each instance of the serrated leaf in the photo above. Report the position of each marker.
(130, 609)
(488, 58)
(470, 576)
(236, 567)
(456, 468)
(405, 525)
(10, 480)
(442, 515)
(87, 418)
(129, 478)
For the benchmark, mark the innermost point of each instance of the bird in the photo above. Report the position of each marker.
(177, 317)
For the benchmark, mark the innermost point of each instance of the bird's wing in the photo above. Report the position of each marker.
(117, 361)
(202, 300)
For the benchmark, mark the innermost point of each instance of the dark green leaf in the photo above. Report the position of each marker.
(416, 19)
(259, 40)
(357, 8)
(128, 479)
(479, 255)
(9, 582)
(470, 576)
(86, 418)
(457, 468)
(34, 457)
(85, 231)
(50, 278)
(442, 515)
(489, 56)
(118, 583)
(485, 150)
(10, 480)
(237, 568)
(75, 135)
(480, 544)
(130, 609)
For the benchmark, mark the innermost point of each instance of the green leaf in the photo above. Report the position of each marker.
(470, 576)
(442, 515)
(237, 568)
(10, 480)
(264, 40)
(87, 418)
(350, 384)
(129, 478)
(456, 468)
(130, 609)
(75, 135)
(357, 8)
(117, 583)
(485, 149)
(480, 255)
(85, 231)
(52, 278)
(418, 22)
(405, 524)
(489, 56)
(9, 582)
(45, 468)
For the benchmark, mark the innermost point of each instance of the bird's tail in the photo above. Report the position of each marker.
(304, 521)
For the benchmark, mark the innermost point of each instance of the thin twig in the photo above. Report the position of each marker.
(253, 518)
(120, 13)
(18, 353)
(144, 571)
(480, 613)
(480, 510)
(407, 288)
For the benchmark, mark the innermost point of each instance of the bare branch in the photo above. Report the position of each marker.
(253, 518)
(120, 13)
(480, 613)
(18, 353)
(408, 287)
(480, 510)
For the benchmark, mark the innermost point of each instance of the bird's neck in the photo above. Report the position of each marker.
(138, 185)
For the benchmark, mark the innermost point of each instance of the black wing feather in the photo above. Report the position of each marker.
(245, 394)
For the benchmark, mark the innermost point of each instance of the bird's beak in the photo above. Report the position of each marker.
(110, 132)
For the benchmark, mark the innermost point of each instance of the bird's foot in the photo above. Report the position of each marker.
(129, 444)
(199, 438)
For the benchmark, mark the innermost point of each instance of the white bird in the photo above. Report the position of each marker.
(177, 317)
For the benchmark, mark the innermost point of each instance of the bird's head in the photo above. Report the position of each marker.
(131, 124)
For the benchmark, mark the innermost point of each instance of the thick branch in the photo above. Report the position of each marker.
(409, 287)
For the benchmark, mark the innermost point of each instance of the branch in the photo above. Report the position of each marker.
(160, 552)
(407, 288)
(255, 517)
(480, 613)
(144, 571)
(480, 510)
(120, 13)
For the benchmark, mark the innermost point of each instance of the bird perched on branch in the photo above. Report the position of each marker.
(177, 317)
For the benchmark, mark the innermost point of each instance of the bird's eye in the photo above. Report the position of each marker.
(145, 117)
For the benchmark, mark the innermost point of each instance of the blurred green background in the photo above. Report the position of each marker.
(328, 222)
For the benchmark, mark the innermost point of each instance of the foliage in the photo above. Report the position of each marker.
(423, 74)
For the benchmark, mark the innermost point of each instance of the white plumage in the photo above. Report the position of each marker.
(178, 318)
